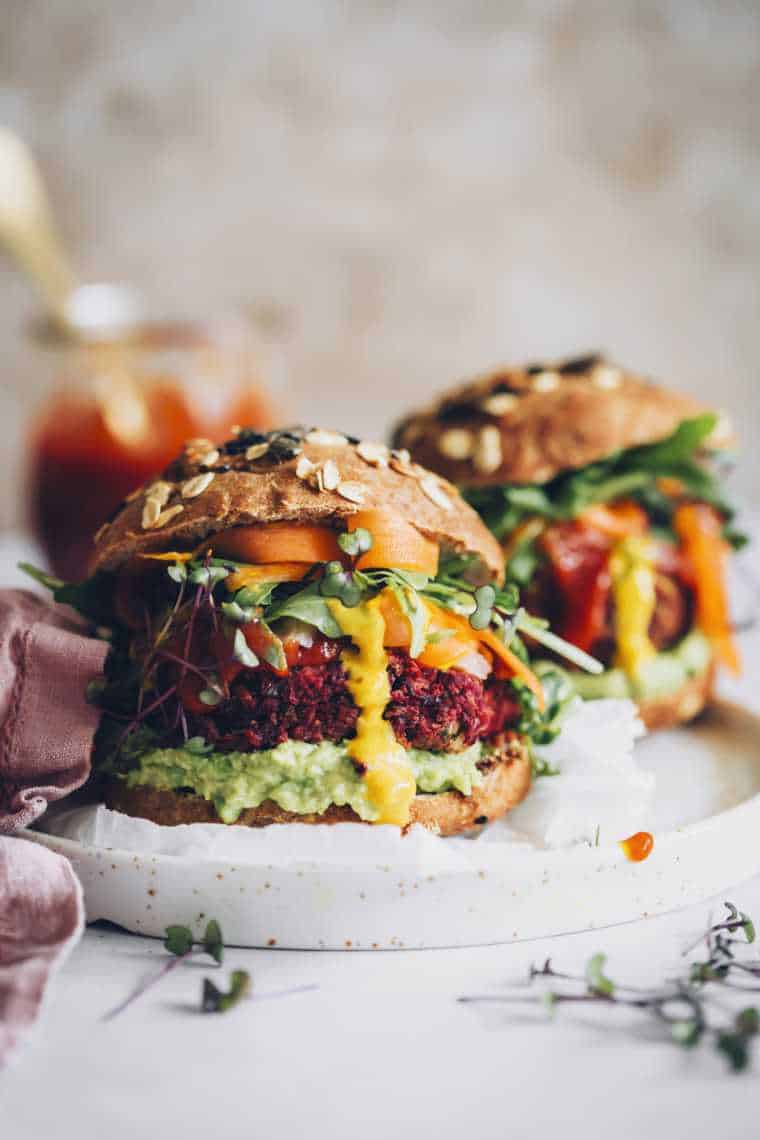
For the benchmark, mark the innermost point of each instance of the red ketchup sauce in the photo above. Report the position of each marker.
(638, 847)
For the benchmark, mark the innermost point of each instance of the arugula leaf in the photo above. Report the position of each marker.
(523, 563)
(376, 579)
(91, 598)
(633, 473)
(414, 611)
(310, 607)
(542, 728)
(688, 437)
(251, 596)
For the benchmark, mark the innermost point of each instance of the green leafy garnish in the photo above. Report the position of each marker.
(355, 542)
(541, 728)
(207, 576)
(214, 1000)
(178, 940)
(414, 611)
(692, 1009)
(310, 607)
(633, 473)
(213, 944)
(93, 598)
(242, 651)
(598, 982)
(538, 630)
(482, 615)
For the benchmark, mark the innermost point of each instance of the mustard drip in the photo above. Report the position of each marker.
(389, 779)
(633, 586)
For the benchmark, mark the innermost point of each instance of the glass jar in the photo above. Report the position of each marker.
(122, 410)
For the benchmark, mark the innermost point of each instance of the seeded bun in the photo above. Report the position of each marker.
(679, 707)
(506, 783)
(526, 425)
(314, 477)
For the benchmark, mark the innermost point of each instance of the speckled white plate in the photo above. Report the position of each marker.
(706, 825)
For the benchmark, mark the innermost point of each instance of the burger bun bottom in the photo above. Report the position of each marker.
(505, 784)
(678, 707)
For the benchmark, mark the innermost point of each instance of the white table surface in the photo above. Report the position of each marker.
(381, 1048)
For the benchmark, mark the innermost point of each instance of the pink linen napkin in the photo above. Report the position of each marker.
(41, 918)
(46, 731)
(46, 725)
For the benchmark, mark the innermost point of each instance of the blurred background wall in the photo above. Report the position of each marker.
(418, 189)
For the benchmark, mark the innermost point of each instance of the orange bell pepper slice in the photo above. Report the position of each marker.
(273, 572)
(398, 633)
(446, 652)
(616, 520)
(396, 545)
(278, 542)
(486, 637)
(701, 533)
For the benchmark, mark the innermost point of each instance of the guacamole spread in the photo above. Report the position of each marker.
(299, 777)
(658, 677)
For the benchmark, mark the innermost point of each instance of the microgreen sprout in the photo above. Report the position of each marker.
(686, 1006)
(207, 576)
(214, 1000)
(598, 982)
(233, 611)
(355, 542)
(485, 596)
(242, 652)
(339, 583)
(181, 945)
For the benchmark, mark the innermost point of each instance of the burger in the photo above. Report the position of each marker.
(307, 627)
(603, 491)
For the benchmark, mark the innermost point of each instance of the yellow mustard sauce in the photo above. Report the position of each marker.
(633, 587)
(389, 779)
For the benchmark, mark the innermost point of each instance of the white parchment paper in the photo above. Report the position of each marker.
(600, 795)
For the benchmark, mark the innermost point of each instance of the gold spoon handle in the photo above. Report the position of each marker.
(27, 230)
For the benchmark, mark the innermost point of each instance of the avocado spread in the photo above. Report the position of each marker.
(299, 777)
(658, 677)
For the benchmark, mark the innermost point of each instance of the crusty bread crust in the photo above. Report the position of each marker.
(527, 424)
(245, 491)
(679, 707)
(505, 785)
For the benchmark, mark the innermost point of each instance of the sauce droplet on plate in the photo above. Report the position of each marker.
(638, 847)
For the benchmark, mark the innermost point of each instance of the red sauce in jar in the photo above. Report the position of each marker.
(93, 444)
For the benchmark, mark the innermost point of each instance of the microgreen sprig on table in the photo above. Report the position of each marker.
(181, 945)
(686, 1007)
(214, 1000)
